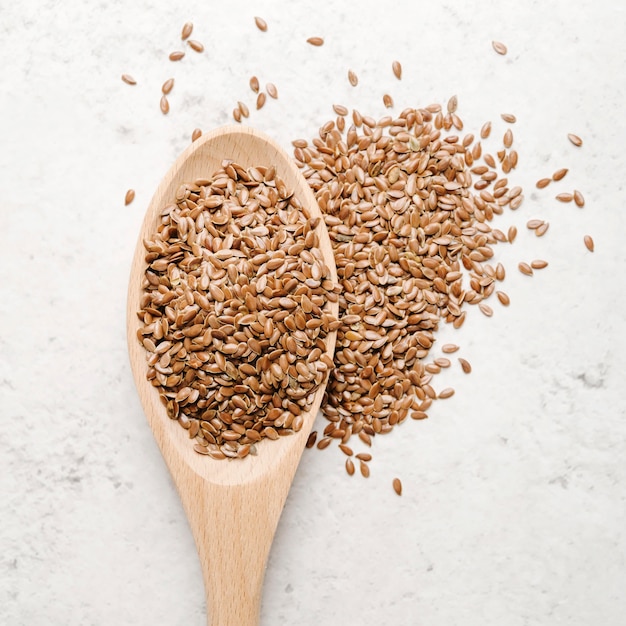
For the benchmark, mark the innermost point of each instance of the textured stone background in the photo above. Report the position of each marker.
(514, 490)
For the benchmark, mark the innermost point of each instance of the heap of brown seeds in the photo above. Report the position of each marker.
(408, 211)
(235, 310)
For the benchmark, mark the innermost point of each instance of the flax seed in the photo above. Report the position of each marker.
(186, 31)
(575, 139)
(465, 365)
(524, 268)
(365, 470)
(272, 92)
(579, 198)
(448, 392)
(353, 78)
(397, 69)
(589, 243)
(538, 264)
(128, 79)
(509, 118)
(315, 41)
(254, 84)
(260, 100)
(397, 486)
(197, 133)
(388, 101)
(350, 467)
(195, 45)
(261, 24)
(564, 197)
(165, 105)
(130, 196)
(449, 348)
(559, 174)
(499, 47)
(542, 182)
(176, 55)
(167, 86)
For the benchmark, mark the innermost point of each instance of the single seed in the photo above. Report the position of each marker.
(237, 114)
(177, 55)
(197, 133)
(310, 442)
(503, 297)
(260, 100)
(272, 92)
(254, 84)
(542, 230)
(245, 112)
(579, 198)
(365, 470)
(387, 101)
(542, 182)
(167, 86)
(350, 467)
(575, 139)
(397, 486)
(397, 69)
(452, 105)
(449, 348)
(485, 131)
(524, 268)
(538, 264)
(353, 78)
(532, 224)
(559, 173)
(509, 118)
(128, 79)
(323, 443)
(485, 309)
(589, 243)
(187, 28)
(130, 196)
(507, 140)
(364, 456)
(511, 234)
(315, 41)
(339, 109)
(448, 392)
(165, 105)
(499, 47)
(465, 365)
(346, 449)
(261, 24)
(564, 197)
(195, 45)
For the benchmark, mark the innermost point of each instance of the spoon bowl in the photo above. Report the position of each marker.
(233, 506)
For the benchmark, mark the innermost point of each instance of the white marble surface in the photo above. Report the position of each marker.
(513, 510)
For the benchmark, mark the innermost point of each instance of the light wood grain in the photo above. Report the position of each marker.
(233, 507)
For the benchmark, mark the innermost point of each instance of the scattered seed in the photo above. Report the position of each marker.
(237, 114)
(388, 101)
(559, 174)
(323, 443)
(245, 112)
(353, 78)
(195, 45)
(507, 140)
(364, 456)
(130, 196)
(448, 392)
(397, 69)
(532, 224)
(589, 243)
(347, 450)
(365, 470)
(485, 131)
(397, 486)
(165, 105)
(542, 230)
(543, 182)
(350, 467)
(500, 272)
(503, 297)
(315, 41)
(449, 348)
(310, 442)
(499, 47)
(452, 105)
(511, 234)
(261, 24)
(564, 197)
(167, 86)
(272, 92)
(509, 118)
(177, 55)
(197, 133)
(187, 28)
(254, 84)
(465, 365)
(485, 309)
(579, 198)
(128, 79)
(340, 109)
(260, 100)
(524, 268)
(575, 139)
(538, 264)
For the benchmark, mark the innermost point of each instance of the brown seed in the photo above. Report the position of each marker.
(353, 78)
(538, 264)
(272, 92)
(511, 234)
(509, 118)
(388, 101)
(195, 45)
(542, 182)
(346, 449)
(128, 79)
(310, 442)
(397, 69)
(542, 230)
(575, 139)
(364, 456)
(187, 29)
(165, 105)
(524, 268)
(465, 365)
(485, 131)
(564, 197)
(397, 486)
(503, 297)
(261, 24)
(323, 443)
(340, 109)
(254, 84)
(315, 41)
(260, 100)
(485, 309)
(167, 86)
(350, 467)
(507, 140)
(452, 105)
(365, 470)
(448, 392)
(579, 198)
(449, 348)
(237, 114)
(130, 196)
(197, 133)
(176, 55)
(532, 224)
(559, 174)
(245, 112)
(589, 243)
(499, 47)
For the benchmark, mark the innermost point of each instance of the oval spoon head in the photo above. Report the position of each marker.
(232, 505)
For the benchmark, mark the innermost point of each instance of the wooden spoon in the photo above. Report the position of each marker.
(233, 506)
